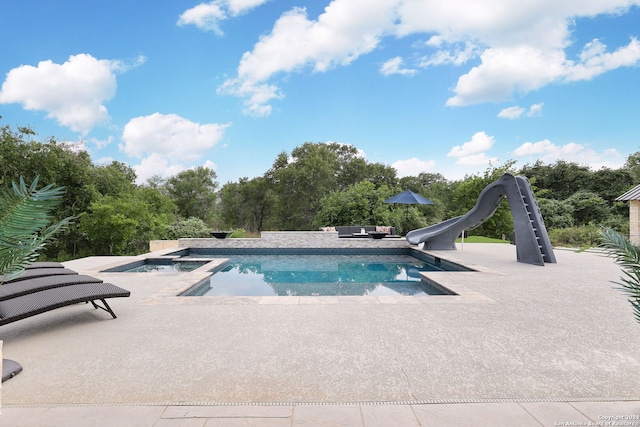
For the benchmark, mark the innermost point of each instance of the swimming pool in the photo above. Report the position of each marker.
(157, 265)
(328, 273)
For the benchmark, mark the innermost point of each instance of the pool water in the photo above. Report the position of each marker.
(319, 275)
(162, 266)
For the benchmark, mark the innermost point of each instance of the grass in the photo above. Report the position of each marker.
(481, 239)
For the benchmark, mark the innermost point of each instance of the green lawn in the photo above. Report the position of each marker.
(480, 239)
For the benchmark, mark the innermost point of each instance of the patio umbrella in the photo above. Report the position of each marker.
(409, 198)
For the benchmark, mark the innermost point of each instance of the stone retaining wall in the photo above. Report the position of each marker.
(294, 239)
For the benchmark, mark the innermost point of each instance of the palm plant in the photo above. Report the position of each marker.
(25, 218)
(627, 255)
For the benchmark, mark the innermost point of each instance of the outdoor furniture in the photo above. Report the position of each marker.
(44, 264)
(22, 287)
(28, 305)
(31, 273)
(359, 231)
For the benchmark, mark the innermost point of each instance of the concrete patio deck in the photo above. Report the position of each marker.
(536, 344)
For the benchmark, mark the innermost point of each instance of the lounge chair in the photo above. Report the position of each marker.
(27, 305)
(23, 287)
(31, 273)
(46, 264)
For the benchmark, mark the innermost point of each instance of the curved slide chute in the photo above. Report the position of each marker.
(532, 241)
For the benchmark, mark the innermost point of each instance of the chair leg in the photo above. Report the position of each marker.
(105, 308)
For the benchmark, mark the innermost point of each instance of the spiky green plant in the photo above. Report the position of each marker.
(25, 224)
(627, 256)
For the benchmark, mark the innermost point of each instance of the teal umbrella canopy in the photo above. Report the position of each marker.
(409, 198)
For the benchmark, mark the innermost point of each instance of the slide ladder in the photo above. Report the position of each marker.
(535, 220)
(532, 241)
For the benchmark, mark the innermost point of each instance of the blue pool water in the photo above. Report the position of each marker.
(319, 275)
(158, 265)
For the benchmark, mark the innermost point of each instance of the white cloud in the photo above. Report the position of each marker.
(515, 112)
(547, 152)
(72, 93)
(412, 166)
(395, 66)
(207, 16)
(480, 159)
(518, 46)
(155, 164)
(450, 53)
(480, 142)
(170, 135)
(345, 31)
(535, 110)
(101, 143)
(595, 60)
(210, 165)
(472, 153)
(511, 113)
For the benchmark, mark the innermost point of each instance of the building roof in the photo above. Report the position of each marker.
(633, 194)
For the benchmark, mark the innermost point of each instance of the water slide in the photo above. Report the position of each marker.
(532, 241)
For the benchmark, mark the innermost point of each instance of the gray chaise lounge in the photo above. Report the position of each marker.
(42, 289)
(23, 306)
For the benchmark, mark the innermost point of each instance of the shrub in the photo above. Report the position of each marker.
(188, 228)
(581, 236)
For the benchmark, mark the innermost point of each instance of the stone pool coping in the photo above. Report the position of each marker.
(170, 295)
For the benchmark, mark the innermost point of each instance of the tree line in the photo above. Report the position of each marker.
(316, 185)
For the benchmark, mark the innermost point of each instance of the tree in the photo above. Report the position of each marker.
(113, 179)
(561, 179)
(361, 203)
(556, 213)
(25, 224)
(313, 171)
(121, 225)
(588, 207)
(194, 192)
(465, 196)
(246, 204)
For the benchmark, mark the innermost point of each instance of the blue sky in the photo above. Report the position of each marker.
(424, 86)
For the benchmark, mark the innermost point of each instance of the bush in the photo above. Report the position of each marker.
(189, 228)
(581, 237)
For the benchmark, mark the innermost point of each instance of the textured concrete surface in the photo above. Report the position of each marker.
(552, 333)
(494, 414)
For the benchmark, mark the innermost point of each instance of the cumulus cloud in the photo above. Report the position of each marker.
(155, 164)
(345, 31)
(547, 152)
(412, 166)
(171, 136)
(512, 113)
(73, 93)
(535, 110)
(395, 66)
(207, 16)
(515, 47)
(480, 141)
(472, 153)
(515, 112)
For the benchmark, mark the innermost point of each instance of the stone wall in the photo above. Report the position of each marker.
(294, 239)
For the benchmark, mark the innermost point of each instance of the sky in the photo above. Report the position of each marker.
(450, 87)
